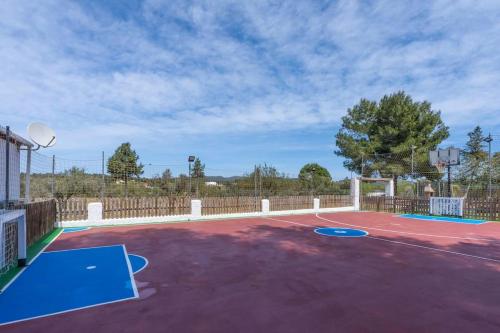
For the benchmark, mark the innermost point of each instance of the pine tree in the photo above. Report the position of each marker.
(198, 170)
(475, 159)
(166, 175)
(372, 130)
(166, 181)
(198, 173)
(123, 165)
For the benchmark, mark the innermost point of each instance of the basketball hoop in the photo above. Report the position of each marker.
(440, 166)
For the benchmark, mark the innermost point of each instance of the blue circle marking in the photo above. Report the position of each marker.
(137, 262)
(74, 229)
(340, 232)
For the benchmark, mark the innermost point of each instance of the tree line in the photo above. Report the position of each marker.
(375, 139)
(125, 177)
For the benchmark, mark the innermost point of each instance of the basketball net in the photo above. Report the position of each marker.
(440, 166)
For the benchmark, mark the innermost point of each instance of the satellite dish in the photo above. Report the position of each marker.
(42, 135)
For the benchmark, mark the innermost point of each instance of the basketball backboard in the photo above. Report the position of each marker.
(448, 156)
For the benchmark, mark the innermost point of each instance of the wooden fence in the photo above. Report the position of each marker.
(40, 219)
(291, 202)
(479, 208)
(396, 205)
(72, 209)
(76, 208)
(482, 208)
(333, 201)
(228, 205)
(145, 206)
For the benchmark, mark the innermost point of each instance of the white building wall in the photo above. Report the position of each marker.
(14, 170)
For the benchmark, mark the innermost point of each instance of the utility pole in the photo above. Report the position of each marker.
(412, 168)
(255, 185)
(362, 164)
(260, 180)
(412, 159)
(102, 178)
(52, 184)
(311, 174)
(27, 186)
(449, 179)
(488, 139)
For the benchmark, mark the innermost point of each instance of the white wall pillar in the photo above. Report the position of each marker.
(316, 204)
(389, 188)
(265, 206)
(195, 208)
(355, 192)
(95, 211)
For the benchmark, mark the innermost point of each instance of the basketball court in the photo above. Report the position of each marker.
(355, 271)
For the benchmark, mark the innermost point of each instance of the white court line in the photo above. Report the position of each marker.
(131, 274)
(435, 249)
(145, 259)
(304, 225)
(66, 311)
(403, 232)
(29, 263)
(84, 248)
(403, 243)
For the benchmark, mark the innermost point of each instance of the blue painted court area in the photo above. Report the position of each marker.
(340, 232)
(62, 281)
(75, 229)
(442, 219)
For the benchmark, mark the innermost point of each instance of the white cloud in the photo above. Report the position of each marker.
(173, 68)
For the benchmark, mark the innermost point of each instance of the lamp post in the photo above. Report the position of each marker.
(191, 159)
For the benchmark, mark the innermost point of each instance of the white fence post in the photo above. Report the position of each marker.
(195, 208)
(94, 211)
(265, 206)
(355, 192)
(316, 204)
(389, 188)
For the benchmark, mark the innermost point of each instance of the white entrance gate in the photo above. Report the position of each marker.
(447, 206)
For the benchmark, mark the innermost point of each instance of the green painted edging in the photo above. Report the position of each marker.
(33, 251)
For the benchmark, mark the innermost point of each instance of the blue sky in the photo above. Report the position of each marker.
(239, 82)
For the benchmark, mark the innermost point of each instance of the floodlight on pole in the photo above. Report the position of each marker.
(191, 159)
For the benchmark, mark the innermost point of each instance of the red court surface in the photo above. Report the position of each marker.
(277, 275)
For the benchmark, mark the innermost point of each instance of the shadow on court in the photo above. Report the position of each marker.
(255, 276)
